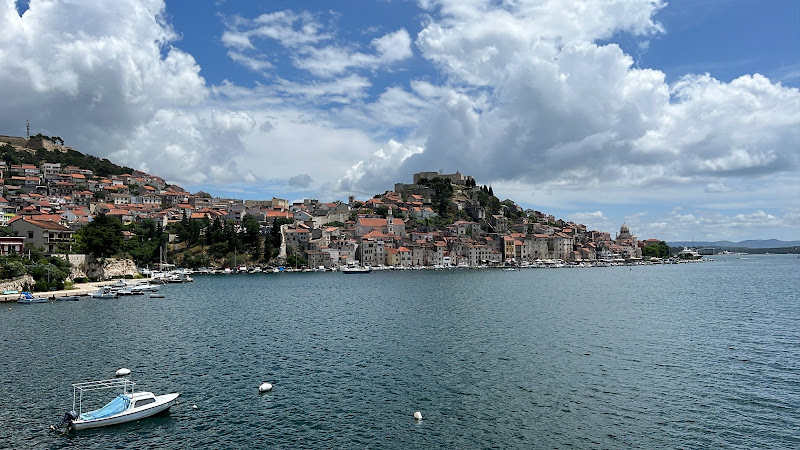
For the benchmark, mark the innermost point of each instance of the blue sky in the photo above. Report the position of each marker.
(681, 120)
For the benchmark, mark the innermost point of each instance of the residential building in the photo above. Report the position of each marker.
(44, 234)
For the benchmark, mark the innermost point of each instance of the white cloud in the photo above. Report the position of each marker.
(308, 45)
(301, 181)
(94, 73)
(254, 64)
(330, 60)
(716, 187)
(379, 171)
(593, 220)
(522, 95)
(289, 28)
(547, 106)
(715, 225)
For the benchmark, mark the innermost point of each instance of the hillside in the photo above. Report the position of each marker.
(40, 148)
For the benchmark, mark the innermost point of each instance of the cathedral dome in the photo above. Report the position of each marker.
(624, 229)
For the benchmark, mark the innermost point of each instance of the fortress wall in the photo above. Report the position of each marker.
(13, 140)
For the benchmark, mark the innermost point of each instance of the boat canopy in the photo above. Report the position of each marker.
(116, 406)
(78, 389)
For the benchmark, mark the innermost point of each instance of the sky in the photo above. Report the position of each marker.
(679, 119)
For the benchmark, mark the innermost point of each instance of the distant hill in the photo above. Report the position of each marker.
(753, 243)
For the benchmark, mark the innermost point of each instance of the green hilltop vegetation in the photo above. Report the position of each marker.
(66, 156)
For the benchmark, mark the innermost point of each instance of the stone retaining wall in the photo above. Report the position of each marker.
(18, 284)
(84, 266)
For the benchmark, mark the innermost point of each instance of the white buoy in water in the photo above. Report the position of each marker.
(123, 372)
(418, 415)
(194, 406)
(265, 387)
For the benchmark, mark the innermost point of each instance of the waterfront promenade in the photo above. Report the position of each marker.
(79, 289)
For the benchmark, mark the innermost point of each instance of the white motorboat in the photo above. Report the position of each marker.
(128, 406)
(356, 269)
(104, 293)
(144, 287)
(27, 298)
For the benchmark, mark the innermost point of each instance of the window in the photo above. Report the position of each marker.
(30, 234)
(144, 401)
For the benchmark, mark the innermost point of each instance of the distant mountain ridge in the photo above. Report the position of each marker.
(752, 243)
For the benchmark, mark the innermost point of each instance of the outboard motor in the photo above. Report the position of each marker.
(67, 420)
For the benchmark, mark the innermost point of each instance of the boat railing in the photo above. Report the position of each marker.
(123, 384)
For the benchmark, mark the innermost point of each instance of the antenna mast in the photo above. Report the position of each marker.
(27, 129)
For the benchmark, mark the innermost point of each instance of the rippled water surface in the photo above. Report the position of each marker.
(694, 355)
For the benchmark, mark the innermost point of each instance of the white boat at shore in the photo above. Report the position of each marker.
(128, 406)
(104, 292)
(356, 269)
(27, 298)
(689, 254)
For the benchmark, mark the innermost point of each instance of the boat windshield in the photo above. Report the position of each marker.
(115, 406)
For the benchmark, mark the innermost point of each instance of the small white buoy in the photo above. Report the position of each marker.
(418, 415)
(194, 406)
(265, 387)
(123, 372)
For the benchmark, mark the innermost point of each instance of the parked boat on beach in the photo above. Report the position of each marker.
(128, 406)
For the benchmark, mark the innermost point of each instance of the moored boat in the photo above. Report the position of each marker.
(144, 287)
(356, 269)
(28, 298)
(128, 406)
(689, 254)
(104, 293)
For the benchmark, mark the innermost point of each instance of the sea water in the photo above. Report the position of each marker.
(701, 355)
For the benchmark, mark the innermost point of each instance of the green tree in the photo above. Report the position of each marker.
(11, 266)
(251, 235)
(293, 260)
(182, 229)
(443, 192)
(267, 249)
(657, 249)
(102, 237)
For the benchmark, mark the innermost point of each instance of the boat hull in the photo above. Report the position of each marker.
(355, 270)
(163, 403)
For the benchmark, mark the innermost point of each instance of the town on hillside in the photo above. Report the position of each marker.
(437, 220)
